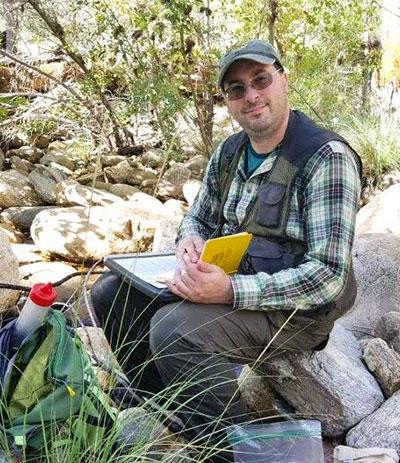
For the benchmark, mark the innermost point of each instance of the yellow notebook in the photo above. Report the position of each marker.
(226, 251)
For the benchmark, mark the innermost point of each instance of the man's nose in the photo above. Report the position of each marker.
(251, 94)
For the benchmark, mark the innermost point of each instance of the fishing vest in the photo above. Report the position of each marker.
(271, 250)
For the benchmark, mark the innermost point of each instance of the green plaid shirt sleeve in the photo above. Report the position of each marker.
(201, 220)
(329, 186)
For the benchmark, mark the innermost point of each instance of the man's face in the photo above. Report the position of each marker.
(259, 112)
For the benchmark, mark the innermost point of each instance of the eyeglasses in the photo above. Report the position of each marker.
(262, 81)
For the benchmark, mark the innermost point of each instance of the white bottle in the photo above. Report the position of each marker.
(35, 310)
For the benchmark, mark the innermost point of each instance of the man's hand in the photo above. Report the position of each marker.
(190, 248)
(202, 283)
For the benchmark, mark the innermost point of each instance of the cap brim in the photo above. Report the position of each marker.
(253, 57)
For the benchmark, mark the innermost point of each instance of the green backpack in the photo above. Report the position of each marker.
(49, 383)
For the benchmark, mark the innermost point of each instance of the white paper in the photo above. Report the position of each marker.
(150, 268)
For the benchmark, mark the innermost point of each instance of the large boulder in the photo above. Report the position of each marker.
(22, 217)
(380, 429)
(9, 273)
(72, 193)
(382, 214)
(79, 233)
(17, 190)
(332, 384)
(376, 260)
(172, 181)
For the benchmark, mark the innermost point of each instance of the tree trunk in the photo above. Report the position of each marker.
(11, 25)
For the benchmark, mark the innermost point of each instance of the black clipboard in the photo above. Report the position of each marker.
(127, 266)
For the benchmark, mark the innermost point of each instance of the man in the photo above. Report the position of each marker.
(293, 185)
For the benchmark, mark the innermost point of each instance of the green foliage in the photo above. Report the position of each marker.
(377, 140)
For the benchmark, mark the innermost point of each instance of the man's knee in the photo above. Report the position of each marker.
(103, 293)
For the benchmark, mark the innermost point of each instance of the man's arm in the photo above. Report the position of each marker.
(330, 207)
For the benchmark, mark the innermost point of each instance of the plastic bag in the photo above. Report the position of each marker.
(282, 442)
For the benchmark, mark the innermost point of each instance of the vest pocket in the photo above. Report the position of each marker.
(269, 202)
(267, 256)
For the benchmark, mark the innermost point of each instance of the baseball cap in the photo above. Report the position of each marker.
(255, 50)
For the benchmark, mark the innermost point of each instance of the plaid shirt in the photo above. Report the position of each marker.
(329, 186)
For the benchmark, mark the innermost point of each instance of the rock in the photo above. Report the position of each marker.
(78, 233)
(390, 179)
(64, 159)
(197, 166)
(9, 273)
(147, 206)
(96, 343)
(379, 429)
(44, 180)
(22, 217)
(140, 429)
(165, 234)
(382, 214)
(384, 363)
(153, 158)
(28, 153)
(22, 165)
(123, 191)
(41, 141)
(16, 190)
(258, 395)
(44, 272)
(190, 190)
(1, 160)
(371, 455)
(108, 160)
(128, 172)
(71, 193)
(343, 392)
(376, 263)
(172, 181)
(13, 235)
(388, 328)
(174, 207)
(26, 253)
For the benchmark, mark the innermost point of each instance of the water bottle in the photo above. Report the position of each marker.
(35, 310)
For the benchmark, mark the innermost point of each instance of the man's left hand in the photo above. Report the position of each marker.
(202, 283)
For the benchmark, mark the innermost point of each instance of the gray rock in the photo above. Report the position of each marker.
(43, 272)
(71, 193)
(172, 181)
(13, 235)
(382, 214)
(29, 153)
(258, 395)
(343, 392)
(45, 179)
(122, 172)
(371, 455)
(9, 273)
(17, 190)
(190, 190)
(197, 166)
(388, 328)
(140, 428)
(165, 234)
(78, 233)
(376, 263)
(26, 253)
(22, 165)
(41, 141)
(1, 160)
(108, 160)
(96, 343)
(379, 429)
(153, 158)
(21, 217)
(384, 363)
(63, 159)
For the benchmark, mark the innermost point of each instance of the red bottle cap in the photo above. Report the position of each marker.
(43, 294)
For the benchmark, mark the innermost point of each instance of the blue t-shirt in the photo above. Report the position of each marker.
(253, 159)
